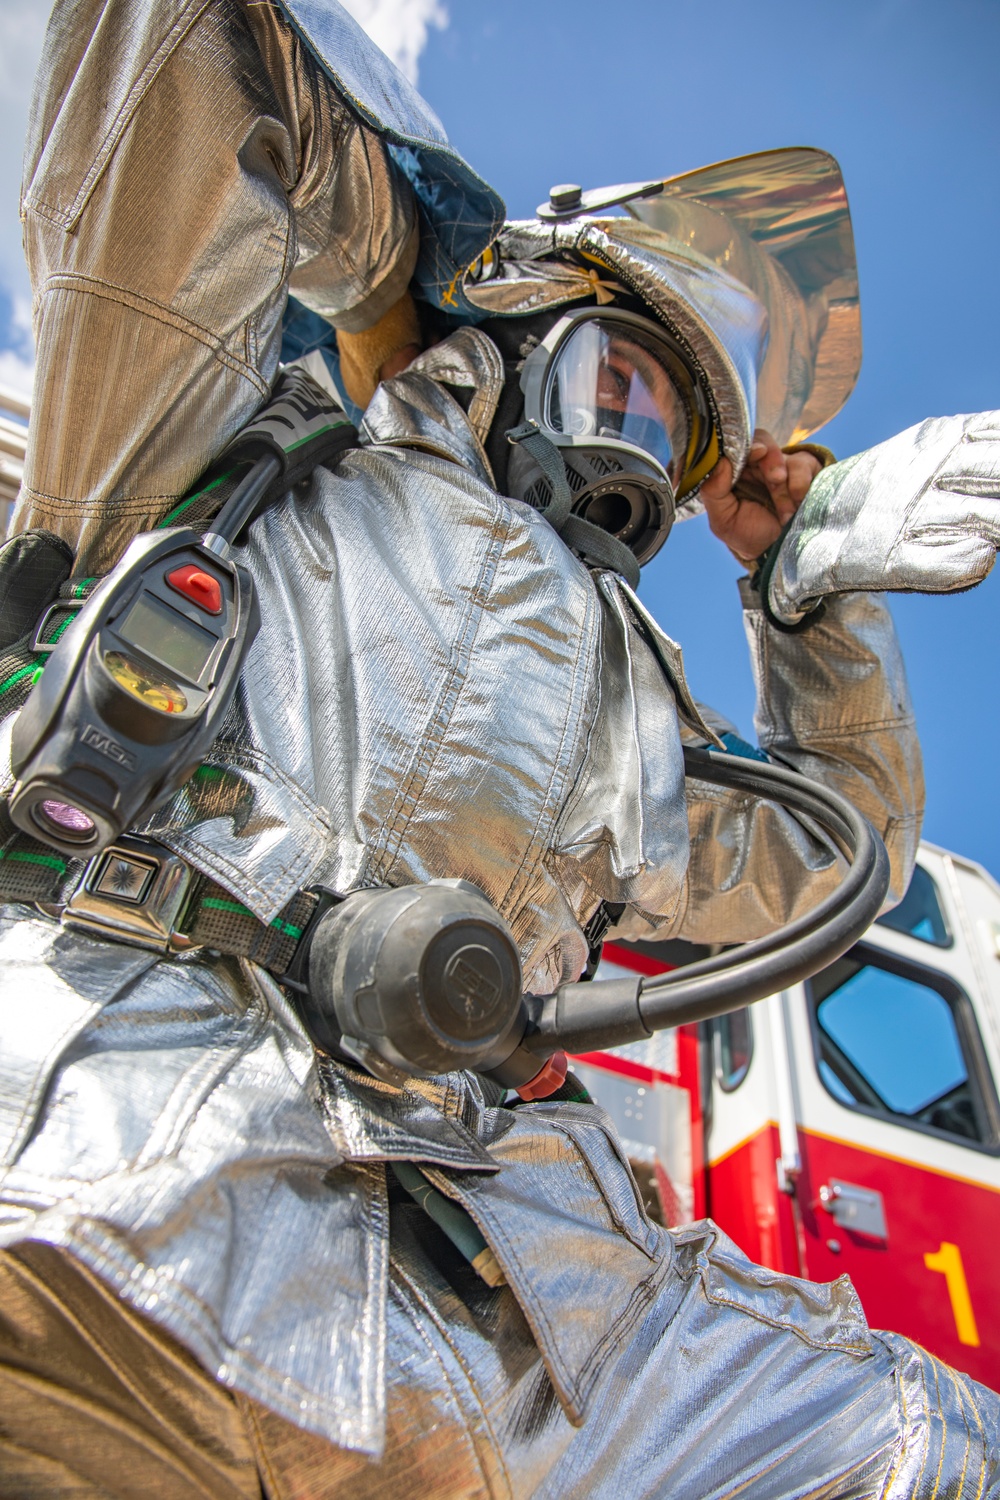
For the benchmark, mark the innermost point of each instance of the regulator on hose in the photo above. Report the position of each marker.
(424, 979)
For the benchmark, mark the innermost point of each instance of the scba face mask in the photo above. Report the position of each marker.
(612, 391)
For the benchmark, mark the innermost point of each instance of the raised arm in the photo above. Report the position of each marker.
(832, 702)
(183, 164)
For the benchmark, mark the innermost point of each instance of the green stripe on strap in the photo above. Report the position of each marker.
(216, 903)
(287, 928)
(190, 499)
(33, 666)
(51, 861)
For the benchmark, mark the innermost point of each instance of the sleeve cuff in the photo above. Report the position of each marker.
(826, 458)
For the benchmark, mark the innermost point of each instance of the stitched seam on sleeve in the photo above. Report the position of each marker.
(800, 739)
(91, 286)
(131, 505)
(69, 218)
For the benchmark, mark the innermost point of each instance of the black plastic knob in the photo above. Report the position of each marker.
(566, 195)
(427, 977)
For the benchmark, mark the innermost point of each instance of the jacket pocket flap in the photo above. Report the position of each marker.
(563, 1219)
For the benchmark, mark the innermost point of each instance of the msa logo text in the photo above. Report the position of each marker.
(105, 745)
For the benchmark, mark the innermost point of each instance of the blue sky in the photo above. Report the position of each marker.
(903, 92)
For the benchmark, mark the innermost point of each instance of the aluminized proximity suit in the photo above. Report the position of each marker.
(208, 1288)
(918, 512)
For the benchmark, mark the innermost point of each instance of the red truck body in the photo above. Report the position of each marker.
(850, 1125)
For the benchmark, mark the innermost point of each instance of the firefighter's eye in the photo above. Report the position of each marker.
(613, 385)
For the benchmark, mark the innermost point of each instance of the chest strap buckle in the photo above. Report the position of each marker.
(134, 891)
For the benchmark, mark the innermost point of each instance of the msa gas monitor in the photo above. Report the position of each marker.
(137, 687)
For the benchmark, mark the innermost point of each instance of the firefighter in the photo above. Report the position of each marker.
(217, 1279)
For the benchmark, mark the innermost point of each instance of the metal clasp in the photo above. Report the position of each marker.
(135, 891)
(69, 607)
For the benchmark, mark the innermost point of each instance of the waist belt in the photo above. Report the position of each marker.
(139, 892)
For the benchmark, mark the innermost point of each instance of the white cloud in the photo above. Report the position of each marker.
(17, 359)
(399, 27)
(16, 372)
(22, 27)
(21, 317)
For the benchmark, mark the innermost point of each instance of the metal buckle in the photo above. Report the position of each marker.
(294, 976)
(134, 891)
(72, 605)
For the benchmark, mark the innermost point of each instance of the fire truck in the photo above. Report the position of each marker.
(849, 1126)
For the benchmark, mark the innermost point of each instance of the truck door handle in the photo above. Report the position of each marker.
(859, 1208)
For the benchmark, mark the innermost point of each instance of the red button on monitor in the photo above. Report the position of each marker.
(198, 586)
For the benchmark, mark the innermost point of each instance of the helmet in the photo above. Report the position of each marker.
(729, 293)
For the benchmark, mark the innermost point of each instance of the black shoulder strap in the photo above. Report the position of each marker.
(597, 547)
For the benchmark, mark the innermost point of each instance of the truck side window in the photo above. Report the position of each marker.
(732, 1048)
(898, 1042)
(919, 913)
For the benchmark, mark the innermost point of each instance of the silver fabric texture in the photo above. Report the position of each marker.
(192, 1153)
(161, 248)
(439, 688)
(468, 702)
(181, 1155)
(415, 410)
(918, 513)
(744, 871)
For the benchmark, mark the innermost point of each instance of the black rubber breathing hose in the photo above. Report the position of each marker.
(247, 500)
(587, 1017)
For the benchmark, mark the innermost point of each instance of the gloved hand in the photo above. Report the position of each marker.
(920, 513)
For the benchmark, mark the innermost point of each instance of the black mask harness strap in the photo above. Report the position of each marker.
(598, 548)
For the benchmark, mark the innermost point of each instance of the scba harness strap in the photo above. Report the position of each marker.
(141, 893)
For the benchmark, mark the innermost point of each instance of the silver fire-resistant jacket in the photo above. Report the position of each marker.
(438, 688)
(918, 513)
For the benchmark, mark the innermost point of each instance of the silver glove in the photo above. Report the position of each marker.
(920, 513)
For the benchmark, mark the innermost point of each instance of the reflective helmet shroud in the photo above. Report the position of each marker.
(750, 267)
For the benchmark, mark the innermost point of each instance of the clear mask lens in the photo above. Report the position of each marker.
(613, 381)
